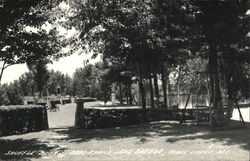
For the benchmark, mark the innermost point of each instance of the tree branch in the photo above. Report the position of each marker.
(2, 69)
(7, 66)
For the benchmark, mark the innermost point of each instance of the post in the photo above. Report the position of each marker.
(183, 114)
(45, 125)
(241, 118)
(79, 116)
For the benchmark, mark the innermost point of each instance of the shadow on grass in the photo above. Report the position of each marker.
(25, 149)
(235, 134)
(171, 131)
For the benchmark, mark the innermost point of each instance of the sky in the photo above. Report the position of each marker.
(65, 65)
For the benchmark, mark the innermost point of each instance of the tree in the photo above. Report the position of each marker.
(11, 94)
(4, 100)
(14, 94)
(129, 31)
(27, 84)
(175, 34)
(224, 25)
(116, 30)
(82, 80)
(104, 81)
(23, 37)
(50, 80)
(68, 85)
(93, 81)
(41, 74)
(167, 33)
(56, 79)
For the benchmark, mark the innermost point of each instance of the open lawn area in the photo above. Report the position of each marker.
(162, 140)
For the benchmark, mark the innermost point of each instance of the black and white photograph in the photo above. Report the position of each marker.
(124, 80)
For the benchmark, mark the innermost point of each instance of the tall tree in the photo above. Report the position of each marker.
(223, 25)
(41, 75)
(27, 84)
(23, 35)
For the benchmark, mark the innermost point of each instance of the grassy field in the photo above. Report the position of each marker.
(163, 140)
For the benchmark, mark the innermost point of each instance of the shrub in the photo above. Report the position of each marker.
(4, 100)
(10, 95)
(15, 97)
(100, 118)
(22, 119)
(103, 118)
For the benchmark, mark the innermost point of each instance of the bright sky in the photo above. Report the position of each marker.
(64, 65)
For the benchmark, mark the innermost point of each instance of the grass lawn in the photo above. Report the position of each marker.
(162, 140)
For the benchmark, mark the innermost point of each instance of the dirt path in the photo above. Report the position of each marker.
(164, 140)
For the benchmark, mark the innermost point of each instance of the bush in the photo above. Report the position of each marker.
(3, 97)
(103, 118)
(22, 119)
(100, 118)
(57, 101)
(10, 95)
(14, 95)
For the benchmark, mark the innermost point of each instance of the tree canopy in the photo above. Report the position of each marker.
(30, 32)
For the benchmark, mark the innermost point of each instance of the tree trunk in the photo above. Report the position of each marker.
(142, 93)
(167, 90)
(241, 118)
(164, 88)
(40, 94)
(215, 82)
(228, 83)
(185, 108)
(120, 92)
(178, 86)
(217, 92)
(231, 97)
(151, 93)
(127, 94)
(157, 95)
(143, 99)
(2, 69)
(1, 74)
(130, 95)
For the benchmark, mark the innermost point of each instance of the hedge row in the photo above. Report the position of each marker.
(103, 118)
(54, 100)
(65, 101)
(21, 119)
(158, 114)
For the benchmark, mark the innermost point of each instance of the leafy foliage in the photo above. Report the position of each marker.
(40, 73)
(58, 79)
(11, 94)
(26, 36)
(93, 81)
